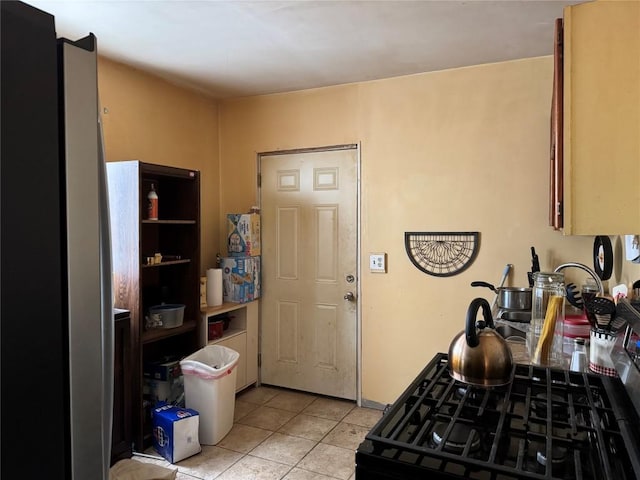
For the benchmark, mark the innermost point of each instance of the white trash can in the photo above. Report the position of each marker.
(210, 389)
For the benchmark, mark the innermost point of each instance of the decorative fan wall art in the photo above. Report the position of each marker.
(442, 254)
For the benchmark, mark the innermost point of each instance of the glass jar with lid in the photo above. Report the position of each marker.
(545, 335)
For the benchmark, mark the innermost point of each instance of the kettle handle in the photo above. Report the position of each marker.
(470, 326)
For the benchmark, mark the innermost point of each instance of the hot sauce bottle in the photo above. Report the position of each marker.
(152, 205)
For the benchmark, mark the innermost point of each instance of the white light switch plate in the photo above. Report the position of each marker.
(378, 263)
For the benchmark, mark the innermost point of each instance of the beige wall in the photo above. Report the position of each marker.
(457, 150)
(153, 121)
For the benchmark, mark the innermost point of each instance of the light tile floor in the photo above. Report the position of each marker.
(282, 434)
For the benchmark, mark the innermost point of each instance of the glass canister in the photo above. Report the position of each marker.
(545, 335)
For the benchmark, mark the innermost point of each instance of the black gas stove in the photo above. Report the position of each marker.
(545, 424)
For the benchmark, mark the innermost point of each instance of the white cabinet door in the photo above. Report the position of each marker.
(239, 344)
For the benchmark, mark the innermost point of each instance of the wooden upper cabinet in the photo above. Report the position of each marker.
(556, 190)
(600, 156)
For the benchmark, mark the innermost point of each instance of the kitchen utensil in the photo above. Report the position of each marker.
(601, 312)
(574, 296)
(535, 266)
(603, 257)
(519, 316)
(626, 310)
(510, 298)
(589, 290)
(626, 313)
(480, 356)
(505, 274)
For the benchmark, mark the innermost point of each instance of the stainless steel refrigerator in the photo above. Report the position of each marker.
(56, 314)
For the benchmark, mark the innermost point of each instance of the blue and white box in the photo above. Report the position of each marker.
(243, 234)
(240, 279)
(175, 432)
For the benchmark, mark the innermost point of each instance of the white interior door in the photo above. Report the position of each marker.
(309, 253)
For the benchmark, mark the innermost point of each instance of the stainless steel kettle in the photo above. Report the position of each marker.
(478, 355)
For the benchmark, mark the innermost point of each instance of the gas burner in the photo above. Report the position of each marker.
(457, 439)
(474, 396)
(558, 455)
(539, 406)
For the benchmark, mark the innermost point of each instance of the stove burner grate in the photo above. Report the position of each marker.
(451, 430)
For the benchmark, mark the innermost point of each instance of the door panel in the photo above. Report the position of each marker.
(309, 241)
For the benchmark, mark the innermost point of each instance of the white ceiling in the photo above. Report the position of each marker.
(230, 48)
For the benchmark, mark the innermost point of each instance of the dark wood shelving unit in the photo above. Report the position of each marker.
(138, 285)
(162, 333)
(164, 264)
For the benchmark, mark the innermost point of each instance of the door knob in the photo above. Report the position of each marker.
(349, 296)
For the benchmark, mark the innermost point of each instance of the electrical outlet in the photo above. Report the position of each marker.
(378, 262)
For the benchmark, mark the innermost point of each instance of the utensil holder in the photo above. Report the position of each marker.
(600, 348)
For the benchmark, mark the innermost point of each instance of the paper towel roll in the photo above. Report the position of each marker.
(214, 287)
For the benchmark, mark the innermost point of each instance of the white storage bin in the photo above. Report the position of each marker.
(209, 388)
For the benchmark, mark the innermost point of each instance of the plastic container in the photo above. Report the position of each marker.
(547, 305)
(169, 315)
(210, 389)
(576, 326)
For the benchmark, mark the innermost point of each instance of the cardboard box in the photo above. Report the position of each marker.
(175, 432)
(165, 369)
(243, 234)
(156, 391)
(240, 279)
(163, 382)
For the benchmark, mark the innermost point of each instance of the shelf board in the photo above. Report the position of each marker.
(161, 333)
(170, 222)
(227, 334)
(170, 262)
(225, 307)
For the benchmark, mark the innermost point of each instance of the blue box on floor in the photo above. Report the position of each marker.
(175, 432)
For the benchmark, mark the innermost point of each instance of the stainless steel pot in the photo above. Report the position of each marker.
(510, 298)
(481, 357)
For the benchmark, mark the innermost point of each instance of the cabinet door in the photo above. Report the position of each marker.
(239, 344)
(555, 170)
(602, 118)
